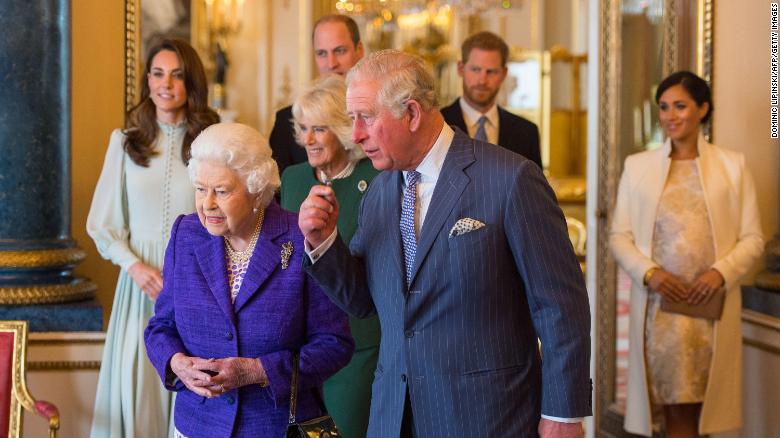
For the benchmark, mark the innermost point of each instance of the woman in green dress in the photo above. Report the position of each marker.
(323, 128)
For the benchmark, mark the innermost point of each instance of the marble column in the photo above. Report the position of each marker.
(37, 252)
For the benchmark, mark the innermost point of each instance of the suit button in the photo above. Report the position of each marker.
(409, 333)
(229, 336)
(403, 377)
(230, 400)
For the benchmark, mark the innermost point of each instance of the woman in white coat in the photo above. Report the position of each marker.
(686, 225)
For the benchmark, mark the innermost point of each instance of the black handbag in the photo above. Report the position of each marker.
(320, 427)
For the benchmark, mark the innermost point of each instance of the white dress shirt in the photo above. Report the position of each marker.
(471, 117)
(429, 169)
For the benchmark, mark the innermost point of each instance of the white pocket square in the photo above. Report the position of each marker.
(465, 225)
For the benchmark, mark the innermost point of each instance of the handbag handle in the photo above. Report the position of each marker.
(294, 390)
(294, 387)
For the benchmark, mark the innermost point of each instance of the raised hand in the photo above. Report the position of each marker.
(318, 215)
(149, 279)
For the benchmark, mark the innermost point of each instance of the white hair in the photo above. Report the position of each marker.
(241, 149)
(325, 103)
(401, 77)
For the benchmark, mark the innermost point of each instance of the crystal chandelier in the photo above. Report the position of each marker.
(463, 7)
(471, 7)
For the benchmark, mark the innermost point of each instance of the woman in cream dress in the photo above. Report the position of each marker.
(686, 225)
(143, 187)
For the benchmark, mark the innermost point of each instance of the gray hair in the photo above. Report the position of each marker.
(241, 149)
(325, 104)
(401, 77)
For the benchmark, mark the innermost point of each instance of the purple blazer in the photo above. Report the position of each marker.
(277, 311)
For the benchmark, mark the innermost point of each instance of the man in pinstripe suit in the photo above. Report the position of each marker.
(463, 253)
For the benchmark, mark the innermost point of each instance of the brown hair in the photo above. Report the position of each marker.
(141, 128)
(352, 27)
(484, 41)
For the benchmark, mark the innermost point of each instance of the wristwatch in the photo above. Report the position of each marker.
(649, 275)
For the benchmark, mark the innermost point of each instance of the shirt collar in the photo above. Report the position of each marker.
(471, 115)
(430, 167)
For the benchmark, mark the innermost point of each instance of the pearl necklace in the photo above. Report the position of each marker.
(347, 171)
(243, 256)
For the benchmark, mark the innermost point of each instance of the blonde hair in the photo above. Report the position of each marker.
(241, 149)
(401, 77)
(325, 104)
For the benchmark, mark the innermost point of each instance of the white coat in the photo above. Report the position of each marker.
(732, 208)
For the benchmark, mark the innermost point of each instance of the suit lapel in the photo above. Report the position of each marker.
(266, 256)
(449, 186)
(393, 208)
(505, 130)
(211, 259)
(456, 116)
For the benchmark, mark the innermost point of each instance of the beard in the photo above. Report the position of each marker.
(482, 97)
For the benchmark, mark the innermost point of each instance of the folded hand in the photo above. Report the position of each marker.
(705, 286)
(190, 371)
(668, 285)
(233, 372)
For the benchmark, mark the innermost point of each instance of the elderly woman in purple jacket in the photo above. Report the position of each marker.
(236, 304)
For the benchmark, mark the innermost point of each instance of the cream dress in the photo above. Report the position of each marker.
(678, 347)
(130, 219)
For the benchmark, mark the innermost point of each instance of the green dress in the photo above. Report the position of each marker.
(348, 392)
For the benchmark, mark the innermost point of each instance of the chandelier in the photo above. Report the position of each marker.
(463, 7)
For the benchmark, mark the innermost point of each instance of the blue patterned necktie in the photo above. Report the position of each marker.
(481, 134)
(407, 221)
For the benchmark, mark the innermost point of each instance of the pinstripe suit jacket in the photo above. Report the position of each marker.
(462, 337)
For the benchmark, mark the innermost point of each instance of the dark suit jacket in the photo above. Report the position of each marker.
(514, 132)
(462, 337)
(284, 149)
(277, 311)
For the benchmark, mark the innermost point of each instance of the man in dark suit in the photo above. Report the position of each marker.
(483, 69)
(337, 47)
(463, 253)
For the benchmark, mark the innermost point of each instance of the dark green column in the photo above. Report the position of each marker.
(37, 252)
